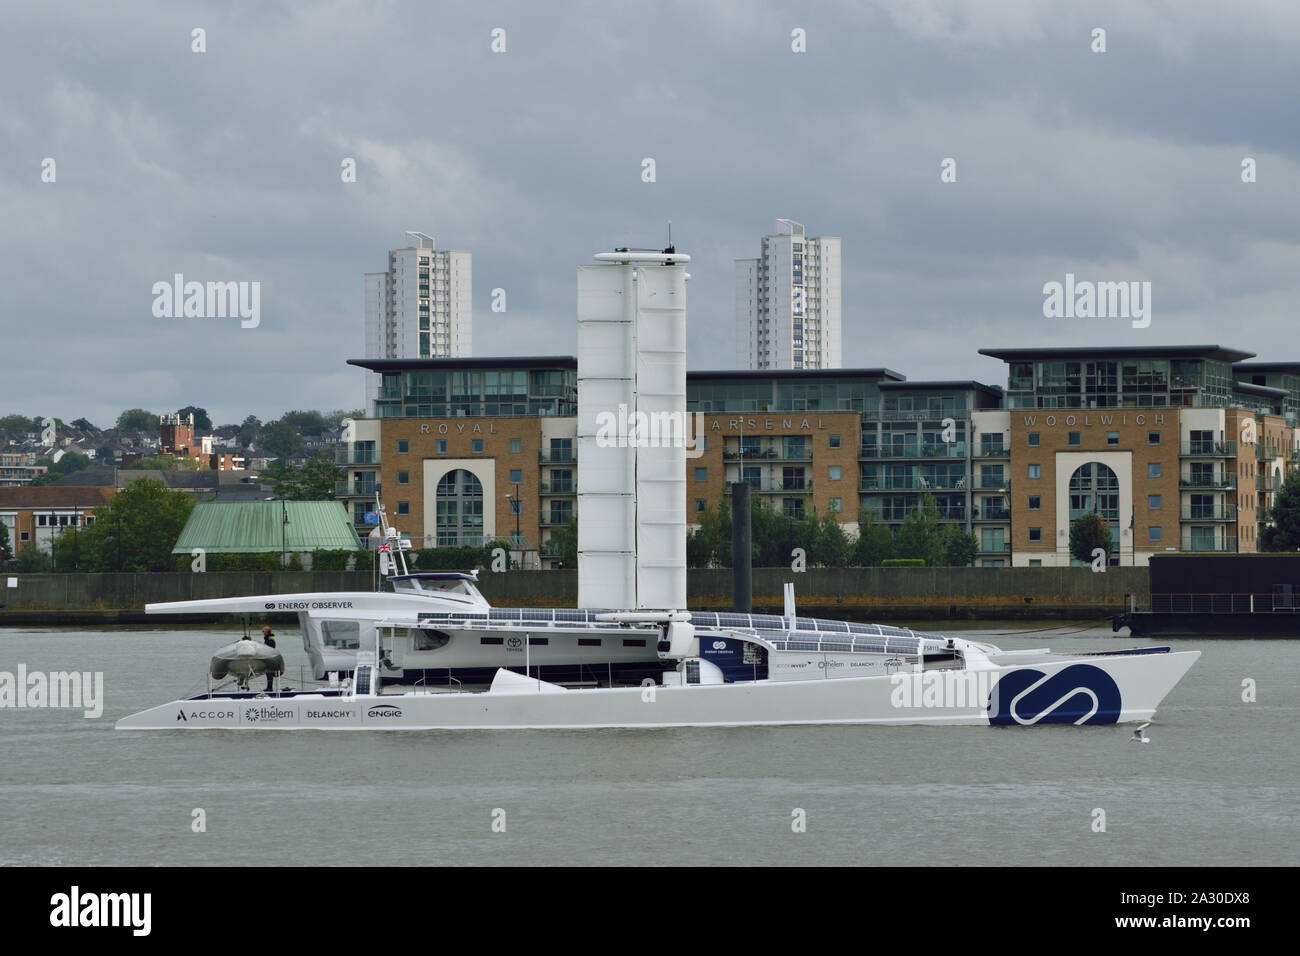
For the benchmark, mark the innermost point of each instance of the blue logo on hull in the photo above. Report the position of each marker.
(1078, 694)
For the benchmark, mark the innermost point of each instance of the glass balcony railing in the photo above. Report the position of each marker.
(1226, 544)
(1211, 482)
(351, 488)
(1209, 513)
(1208, 449)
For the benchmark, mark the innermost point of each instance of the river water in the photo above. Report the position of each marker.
(1217, 785)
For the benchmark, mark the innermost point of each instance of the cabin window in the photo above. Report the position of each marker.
(427, 639)
(589, 642)
(341, 634)
(491, 640)
(633, 642)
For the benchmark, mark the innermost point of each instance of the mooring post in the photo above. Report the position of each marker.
(742, 572)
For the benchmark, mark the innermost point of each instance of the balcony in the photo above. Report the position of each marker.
(1267, 484)
(1209, 513)
(914, 483)
(791, 486)
(1225, 544)
(990, 514)
(555, 520)
(1209, 482)
(1207, 449)
(994, 483)
(999, 452)
(1267, 452)
(557, 457)
(996, 549)
(348, 489)
(768, 454)
(950, 450)
(558, 488)
(343, 455)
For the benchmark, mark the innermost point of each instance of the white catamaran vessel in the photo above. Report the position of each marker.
(451, 661)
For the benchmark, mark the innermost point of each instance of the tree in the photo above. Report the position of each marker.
(66, 465)
(310, 423)
(202, 423)
(14, 425)
(959, 546)
(137, 419)
(250, 431)
(1087, 533)
(281, 440)
(135, 531)
(166, 463)
(5, 553)
(30, 560)
(830, 546)
(335, 418)
(875, 541)
(564, 542)
(1283, 530)
(83, 424)
(314, 481)
(919, 536)
(709, 545)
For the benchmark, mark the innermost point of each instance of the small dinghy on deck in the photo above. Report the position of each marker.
(244, 660)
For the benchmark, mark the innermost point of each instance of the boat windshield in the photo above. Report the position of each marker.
(436, 585)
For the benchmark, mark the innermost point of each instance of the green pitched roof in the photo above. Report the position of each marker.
(249, 527)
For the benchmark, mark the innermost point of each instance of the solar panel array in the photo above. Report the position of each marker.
(806, 634)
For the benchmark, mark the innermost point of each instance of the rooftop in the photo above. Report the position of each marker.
(1215, 352)
(252, 527)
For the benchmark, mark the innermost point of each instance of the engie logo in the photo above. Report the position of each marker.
(1078, 694)
(102, 909)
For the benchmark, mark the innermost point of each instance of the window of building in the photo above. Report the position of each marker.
(1076, 438)
(459, 506)
(1112, 438)
(1153, 502)
(1035, 562)
(516, 445)
(476, 446)
(834, 504)
(834, 441)
(516, 506)
(1155, 533)
(834, 472)
(701, 505)
(24, 535)
(1035, 503)
(441, 446)
(403, 477)
(1153, 438)
(1153, 469)
(1035, 471)
(701, 474)
(403, 446)
(516, 476)
(1034, 439)
(403, 507)
(1035, 534)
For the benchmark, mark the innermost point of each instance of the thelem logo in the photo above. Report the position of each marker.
(210, 300)
(55, 689)
(626, 429)
(75, 908)
(1098, 300)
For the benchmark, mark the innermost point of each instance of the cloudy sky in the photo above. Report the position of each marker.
(225, 165)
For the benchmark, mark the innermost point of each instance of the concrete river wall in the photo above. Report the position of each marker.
(898, 594)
